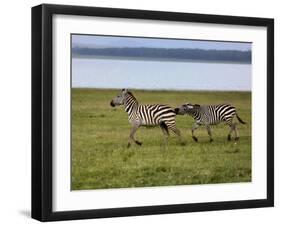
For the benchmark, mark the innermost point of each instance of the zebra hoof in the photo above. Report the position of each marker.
(229, 138)
(195, 139)
(129, 145)
(236, 138)
(138, 143)
(211, 140)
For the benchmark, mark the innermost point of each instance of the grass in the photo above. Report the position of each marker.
(101, 159)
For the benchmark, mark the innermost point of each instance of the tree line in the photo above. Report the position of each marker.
(166, 53)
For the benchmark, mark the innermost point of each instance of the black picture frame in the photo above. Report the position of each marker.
(42, 107)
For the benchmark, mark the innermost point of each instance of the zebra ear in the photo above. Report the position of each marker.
(125, 90)
(189, 106)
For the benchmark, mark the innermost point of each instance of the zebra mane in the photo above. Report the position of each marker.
(132, 96)
(130, 93)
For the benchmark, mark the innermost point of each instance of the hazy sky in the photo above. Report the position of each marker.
(94, 41)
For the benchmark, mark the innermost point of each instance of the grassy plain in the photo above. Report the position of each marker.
(101, 159)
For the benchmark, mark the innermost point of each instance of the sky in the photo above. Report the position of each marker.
(94, 41)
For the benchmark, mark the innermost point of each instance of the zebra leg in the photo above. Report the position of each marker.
(176, 131)
(131, 137)
(235, 131)
(166, 134)
(165, 131)
(209, 133)
(195, 127)
(173, 128)
(232, 128)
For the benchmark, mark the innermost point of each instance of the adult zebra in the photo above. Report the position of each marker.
(211, 115)
(146, 115)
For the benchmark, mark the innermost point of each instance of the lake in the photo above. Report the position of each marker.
(160, 75)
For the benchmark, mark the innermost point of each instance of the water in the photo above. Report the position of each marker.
(169, 75)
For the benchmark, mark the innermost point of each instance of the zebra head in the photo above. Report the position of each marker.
(119, 99)
(186, 108)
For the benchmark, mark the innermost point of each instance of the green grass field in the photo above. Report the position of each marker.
(101, 159)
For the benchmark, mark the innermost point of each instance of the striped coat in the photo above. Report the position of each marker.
(207, 115)
(146, 115)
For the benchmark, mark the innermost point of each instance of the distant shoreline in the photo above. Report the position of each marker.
(90, 57)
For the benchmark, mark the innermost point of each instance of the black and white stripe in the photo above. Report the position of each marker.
(146, 115)
(207, 115)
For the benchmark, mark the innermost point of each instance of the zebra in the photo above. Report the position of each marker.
(146, 115)
(211, 115)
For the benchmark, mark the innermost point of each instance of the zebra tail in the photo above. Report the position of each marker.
(239, 119)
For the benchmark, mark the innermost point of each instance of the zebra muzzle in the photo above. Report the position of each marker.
(112, 104)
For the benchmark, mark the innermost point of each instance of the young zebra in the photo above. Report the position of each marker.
(146, 115)
(211, 115)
